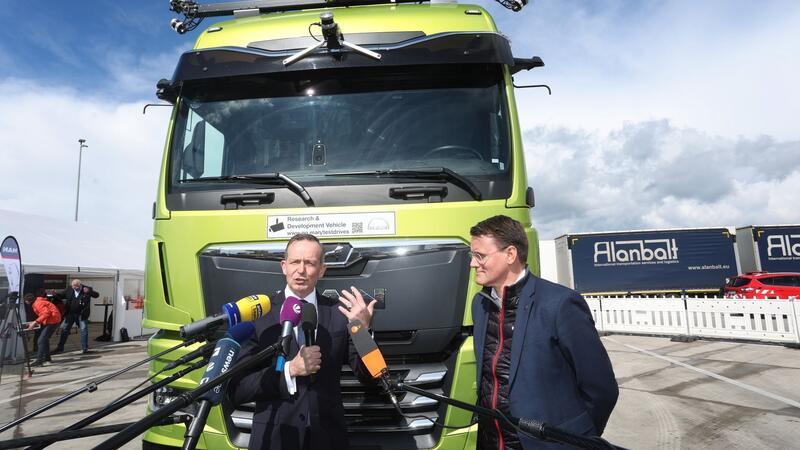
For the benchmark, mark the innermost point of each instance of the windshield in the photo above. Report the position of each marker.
(308, 124)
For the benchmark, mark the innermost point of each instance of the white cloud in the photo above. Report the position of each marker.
(655, 175)
(662, 115)
(39, 131)
(725, 68)
(136, 74)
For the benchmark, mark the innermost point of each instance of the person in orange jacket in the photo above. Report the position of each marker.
(49, 318)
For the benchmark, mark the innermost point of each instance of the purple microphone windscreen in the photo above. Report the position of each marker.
(241, 331)
(291, 311)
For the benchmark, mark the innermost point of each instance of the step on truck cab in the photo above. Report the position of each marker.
(385, 129)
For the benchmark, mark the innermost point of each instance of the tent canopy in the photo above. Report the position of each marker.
(54, 246)
(108, 257)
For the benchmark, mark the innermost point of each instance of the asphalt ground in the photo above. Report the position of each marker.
(71, 371)
(703, 394)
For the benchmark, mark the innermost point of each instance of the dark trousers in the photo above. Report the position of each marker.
(43, 343)
(36, 334)
(74, 319)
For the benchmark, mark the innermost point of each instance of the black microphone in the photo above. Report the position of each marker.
(308, 321)
(246, 309)
(289, 318)
(203, 351)
(221, 361)
(372, 358)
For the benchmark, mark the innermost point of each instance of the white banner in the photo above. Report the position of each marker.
(11, 262)
(9, 250)
(325, 225)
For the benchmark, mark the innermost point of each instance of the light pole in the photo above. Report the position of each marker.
(82, 142)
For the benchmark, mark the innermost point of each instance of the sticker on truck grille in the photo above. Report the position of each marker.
(324, 225)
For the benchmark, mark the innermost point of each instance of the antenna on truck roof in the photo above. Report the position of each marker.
(194, 13)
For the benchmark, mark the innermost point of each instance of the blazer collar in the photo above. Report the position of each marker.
(524, 312)
(324, 307)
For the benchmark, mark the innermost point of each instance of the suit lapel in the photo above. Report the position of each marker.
(524, 311)
(323, 311)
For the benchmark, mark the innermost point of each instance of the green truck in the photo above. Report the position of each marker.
(385, 129)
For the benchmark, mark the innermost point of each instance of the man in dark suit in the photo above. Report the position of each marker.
(292, 411)
(78, 299)
(537, 351)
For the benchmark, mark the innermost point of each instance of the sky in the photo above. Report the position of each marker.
(664, 114)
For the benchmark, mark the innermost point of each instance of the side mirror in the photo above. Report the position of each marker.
(167, 91)
(526, 64)
(195, 153)
(530, 200)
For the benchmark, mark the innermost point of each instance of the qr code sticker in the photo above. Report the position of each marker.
(358, 227)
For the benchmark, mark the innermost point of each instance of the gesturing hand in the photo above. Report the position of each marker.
(354, 307)
(307, 361)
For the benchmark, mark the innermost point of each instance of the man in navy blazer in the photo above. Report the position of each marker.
(292, 410)
(538, 354)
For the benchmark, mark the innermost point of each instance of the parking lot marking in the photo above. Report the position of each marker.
(748, 387)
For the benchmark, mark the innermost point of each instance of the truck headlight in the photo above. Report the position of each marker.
(166, 395)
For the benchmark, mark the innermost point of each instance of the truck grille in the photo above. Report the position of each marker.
(369, 411)
(418, 325)
(367, 408)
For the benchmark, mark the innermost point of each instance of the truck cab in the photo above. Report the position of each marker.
(389, 161)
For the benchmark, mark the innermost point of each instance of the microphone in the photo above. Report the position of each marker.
(222, 359)
(205, 350)
(372, 358)
(308, 321)
(246, 309)
(289, 318)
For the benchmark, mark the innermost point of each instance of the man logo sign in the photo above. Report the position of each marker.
(641, 250)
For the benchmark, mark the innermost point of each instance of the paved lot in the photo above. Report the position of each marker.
(71, 371)
(724, 395)
(704, 394)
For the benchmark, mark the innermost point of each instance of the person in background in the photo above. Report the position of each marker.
(78, 299)
(38, 331)
(48, 317)
(53, 298)
(537, 351)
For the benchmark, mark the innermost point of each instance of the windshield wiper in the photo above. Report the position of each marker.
(276, 178)
(427, 173)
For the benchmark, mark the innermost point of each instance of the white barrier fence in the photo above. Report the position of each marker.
(763, 320)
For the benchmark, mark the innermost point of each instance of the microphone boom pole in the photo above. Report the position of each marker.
(222, 359)
(91, 387)
(121, 403)
(77, 434)
(183, 401)
(537, 429)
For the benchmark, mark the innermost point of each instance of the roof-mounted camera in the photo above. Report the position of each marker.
(332, 38)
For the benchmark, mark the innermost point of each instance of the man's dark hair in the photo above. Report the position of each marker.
(506, 231)
(29, 297)
(302, 237)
